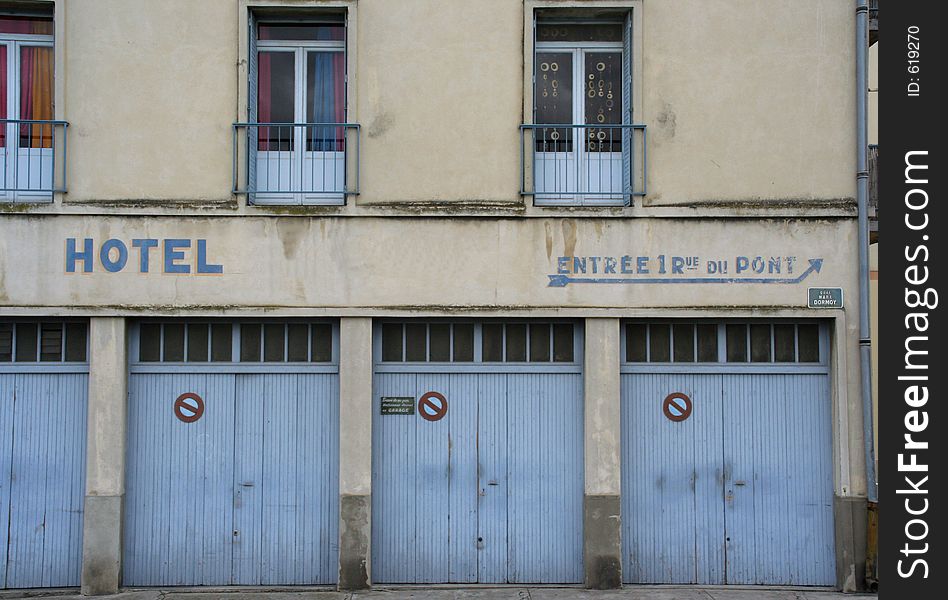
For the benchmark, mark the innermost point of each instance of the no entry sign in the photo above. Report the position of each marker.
(432, 406)
(677, 406)
(188, 407)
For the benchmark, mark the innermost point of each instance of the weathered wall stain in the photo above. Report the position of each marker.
(569, 237)
(548, 228)
(380, 124)
(3, 289)
(291, 233)
(354, 536)
(667, 119)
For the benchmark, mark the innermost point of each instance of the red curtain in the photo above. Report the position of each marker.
(36, 96)
(36, 82)
(26, 25)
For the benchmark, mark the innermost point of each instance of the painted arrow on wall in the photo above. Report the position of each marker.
(563, 280)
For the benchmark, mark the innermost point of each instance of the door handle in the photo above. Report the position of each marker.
(741, 483)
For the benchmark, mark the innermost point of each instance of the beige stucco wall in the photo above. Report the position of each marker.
(440, 97)
(749, 99)
(744, 101)
(150, 96)
(396, 263)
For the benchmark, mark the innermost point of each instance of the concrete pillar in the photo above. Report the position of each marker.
(105, 460)
(850, 519)
(602, 547)
(355, 452)
(849, 503)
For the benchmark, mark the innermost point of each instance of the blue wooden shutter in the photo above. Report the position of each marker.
(533, 78)
(530, 134)
(628, 177)
(252, 107)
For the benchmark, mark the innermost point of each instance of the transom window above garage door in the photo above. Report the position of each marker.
(243, 342)
(729, 342)
(43, 342)
(477, 342)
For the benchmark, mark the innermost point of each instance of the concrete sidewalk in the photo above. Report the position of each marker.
(457, 593)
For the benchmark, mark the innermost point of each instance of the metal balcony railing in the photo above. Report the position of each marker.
(31, 151)
(583, 164)
(296, 163)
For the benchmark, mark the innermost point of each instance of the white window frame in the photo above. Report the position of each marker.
(298, 155)
(42, 157)
(579, 154)
(544, 10)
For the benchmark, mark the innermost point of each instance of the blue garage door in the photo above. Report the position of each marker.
(44, 385)
(727, 457)
(232, 471)
(477, 453)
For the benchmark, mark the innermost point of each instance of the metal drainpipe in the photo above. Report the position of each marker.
(865, 342)
(862, 199)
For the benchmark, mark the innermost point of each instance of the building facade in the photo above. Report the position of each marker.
(356, 292)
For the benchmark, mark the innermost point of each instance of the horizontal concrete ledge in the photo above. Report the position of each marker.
(542, 312)
(444, 210)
